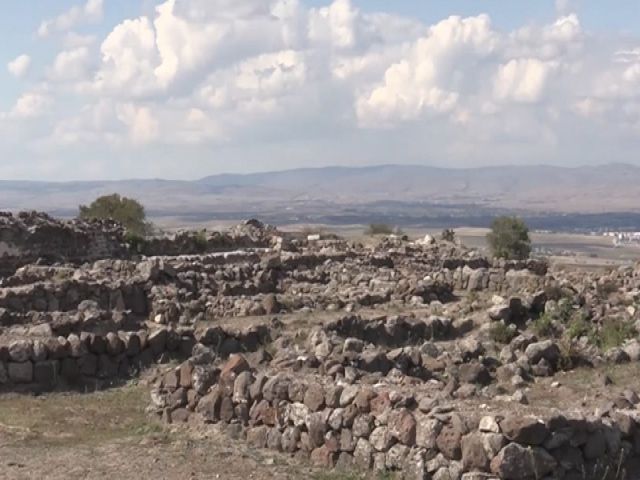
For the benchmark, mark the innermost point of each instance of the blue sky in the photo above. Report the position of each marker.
(124, 88)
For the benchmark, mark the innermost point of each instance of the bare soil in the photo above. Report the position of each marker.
(62, 436)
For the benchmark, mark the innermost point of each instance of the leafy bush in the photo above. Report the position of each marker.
(501, 333)
(613, 334)
(543, 326)
(127, 211)
(565, 310)
(578, 327)
(509, 238)
(379, 229)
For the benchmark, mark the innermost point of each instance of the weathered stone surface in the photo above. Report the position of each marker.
(450, 438)
(402, 426)
(525, 430)
(380, 439)
(363, 454)
(209, 406)
(20, 372)
(20, 351)
(235, 365)
(362, 426)
(545, 349)
(427, 431)
(489, 424)
(396, 456)
(290, 439)
(317, 427)
(323, 457)
(314, 397)
(241, 387)
(515, 462)
(474, 456)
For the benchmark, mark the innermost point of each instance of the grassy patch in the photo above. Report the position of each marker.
(613, 334)
(543, 326)
(578, 327)
(78, 419)
(501, 333)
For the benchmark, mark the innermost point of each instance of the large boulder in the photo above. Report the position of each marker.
(524, 430)
(474, 456)
(546, 349)
(515, 462)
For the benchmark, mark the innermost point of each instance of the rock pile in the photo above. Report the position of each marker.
(379, 428)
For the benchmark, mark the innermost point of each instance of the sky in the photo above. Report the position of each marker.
(181, 89)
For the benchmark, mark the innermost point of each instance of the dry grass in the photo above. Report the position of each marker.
(62, 419)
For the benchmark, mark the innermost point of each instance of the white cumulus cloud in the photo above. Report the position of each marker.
(31, 105)
(241, 74)
(91, 11)
(19, 66)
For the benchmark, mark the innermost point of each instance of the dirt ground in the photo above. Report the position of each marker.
(108, 435)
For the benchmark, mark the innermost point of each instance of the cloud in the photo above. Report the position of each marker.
(522, 80)
(90, 12)
(71, 64)
(141, 123)
(334, 24)
(31, 105)
(424, 80)
(245, 74)
(75, 40)
(19, 66)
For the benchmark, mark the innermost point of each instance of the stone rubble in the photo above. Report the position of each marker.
(410, 357)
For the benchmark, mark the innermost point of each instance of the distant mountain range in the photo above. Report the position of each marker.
(304, 194)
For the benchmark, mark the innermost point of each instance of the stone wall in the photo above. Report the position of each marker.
(46, 362)
(249, 234)
(504, 279)
(376, 428)
(30, 237)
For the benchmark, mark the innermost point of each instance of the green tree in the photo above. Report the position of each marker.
(509, 238)
(127, 211)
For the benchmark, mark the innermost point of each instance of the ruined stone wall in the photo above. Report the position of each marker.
(30, 236)
(47, 361)
(503, 279)
(250, 234)
(376, 428)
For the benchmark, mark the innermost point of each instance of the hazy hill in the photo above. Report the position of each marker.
(323, 191)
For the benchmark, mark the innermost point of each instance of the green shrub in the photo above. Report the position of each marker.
(509, 239)
(565, 310)
(501, 333)
(127, 211)
(578, 327)
(543, 326)
(613, 334)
